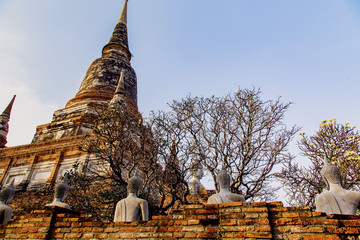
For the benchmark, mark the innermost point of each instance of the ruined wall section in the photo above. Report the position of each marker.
(259, 220)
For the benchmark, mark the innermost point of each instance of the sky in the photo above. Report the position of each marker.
(304, 51)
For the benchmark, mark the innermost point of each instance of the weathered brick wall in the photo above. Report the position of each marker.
(25, 202)
(259, 220)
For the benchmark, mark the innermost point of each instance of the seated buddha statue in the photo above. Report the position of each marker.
(224, 195)
(337, 200)
(6, 195)
(61, 191)
(132, 208)
(197, 173)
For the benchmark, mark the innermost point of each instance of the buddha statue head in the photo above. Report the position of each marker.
(330, 173)
(134, 184)
(196, 169)
(223, 179)
(7, 193)
(61, 189)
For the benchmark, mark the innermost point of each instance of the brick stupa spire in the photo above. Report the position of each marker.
(118, 42)
(97, 87)
(103, 74)
(4, 126)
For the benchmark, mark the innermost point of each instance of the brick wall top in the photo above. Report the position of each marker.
(259, 220)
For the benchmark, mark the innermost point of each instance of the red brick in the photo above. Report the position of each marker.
(161, 229)
(207, 235)
(263, 229)
(147, 229)
(228, 222)
(193, 228)
(181, 222)
(305, 214)
(142, 235)
(101, 235)
(72, 235)
(211, 206)
(83, 229)
(195, 216)
(232, 204)
(295, 237)
(111, 229)
(252, 215)
(126, 235)
(76, 224)
(125, 223)
(37, 235)
(290, 215)
(58, 235)
(234, 228)
(281, 222)
(212, 229)
(92, 224)
(206, 211)
(71, 219)
(166, 223)
(153, 223)
(190, 235)
(163, 235)
(229, 235)
(318, 214)
(321, 237)
(275, 204)
(129, 229)
(97, 230)
(233, 216)
(174, 229)
(161, 217)
(351, 223)
(62, 224)
(193, 222)
(259, 204)
(91, 235)
(280, 209)
(193, 206)
(321, 221)
(258, 235)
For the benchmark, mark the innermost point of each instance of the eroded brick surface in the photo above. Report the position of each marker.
(230, 221)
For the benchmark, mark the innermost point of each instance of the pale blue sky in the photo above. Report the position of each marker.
(306, 51)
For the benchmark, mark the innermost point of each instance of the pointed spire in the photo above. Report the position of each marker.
(7, 110)
(118, 42)
(120, 94)
(120, 89)
(123, 15)
(4, 126)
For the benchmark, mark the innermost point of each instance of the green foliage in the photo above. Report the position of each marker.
(220, 233)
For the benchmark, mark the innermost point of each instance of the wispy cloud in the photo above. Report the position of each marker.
(29, 110)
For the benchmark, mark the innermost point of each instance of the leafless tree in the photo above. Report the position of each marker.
(119, 144)
(172, 156)
(239, 131)
(337, 142)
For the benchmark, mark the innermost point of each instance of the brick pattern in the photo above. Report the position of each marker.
(258, 220)
(25, 202)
